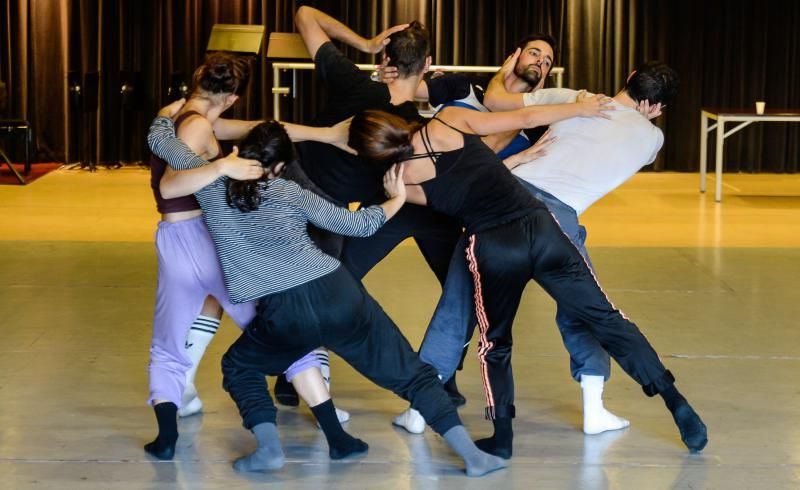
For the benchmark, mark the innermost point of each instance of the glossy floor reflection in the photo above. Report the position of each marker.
(717, 298)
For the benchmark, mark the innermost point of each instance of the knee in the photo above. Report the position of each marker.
(169, 358)
(228, 370)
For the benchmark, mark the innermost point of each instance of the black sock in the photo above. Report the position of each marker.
(501, 442)
(163, 447)
(693, 431)
(340, 443)
(672, 398)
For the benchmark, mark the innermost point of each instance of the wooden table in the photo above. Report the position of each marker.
(743, 116)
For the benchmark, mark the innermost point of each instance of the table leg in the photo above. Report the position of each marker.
(28, 138)
(720, 143)
(703, 150)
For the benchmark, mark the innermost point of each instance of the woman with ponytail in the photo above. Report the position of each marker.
(512, 239)
(191, 292)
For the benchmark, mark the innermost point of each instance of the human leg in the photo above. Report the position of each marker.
(285, 328)
(179, 299)
(359, 331)
(202, 331)
(589, 363)
(315, 384)
(454, 318)
(449, 329)
(244, 367)
(565, 275)
(500, 265)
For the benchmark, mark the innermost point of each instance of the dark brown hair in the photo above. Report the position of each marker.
(269, 144)
(408, 49)
(654, 81)
(538, 36)
(382, 138)
(222, 73)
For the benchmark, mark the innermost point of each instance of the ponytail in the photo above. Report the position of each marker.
(269, 144)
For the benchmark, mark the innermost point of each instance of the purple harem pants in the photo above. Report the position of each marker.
(188, 272)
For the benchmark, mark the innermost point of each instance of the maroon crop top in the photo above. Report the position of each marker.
(157, 169)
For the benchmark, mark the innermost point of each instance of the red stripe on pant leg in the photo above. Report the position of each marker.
(483, 325)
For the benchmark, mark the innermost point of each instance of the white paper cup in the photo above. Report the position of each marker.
(760, 107)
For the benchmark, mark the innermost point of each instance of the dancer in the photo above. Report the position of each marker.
(305, 297)
(191, 293)
(579, 143)
(528, 73)
(589, 158)
(512, 239)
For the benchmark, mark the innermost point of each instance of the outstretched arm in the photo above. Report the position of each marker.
(529, 117)
(317, 28)
(233, 129)
(335, 135)
(361, 223)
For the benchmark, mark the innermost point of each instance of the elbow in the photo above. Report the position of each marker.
(532, 120)
(370, 231)
(168, 187)
(490, 103)
(301, 17)
(168, 192)
(151, 142)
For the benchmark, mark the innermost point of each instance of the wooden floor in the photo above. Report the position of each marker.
(713, 285)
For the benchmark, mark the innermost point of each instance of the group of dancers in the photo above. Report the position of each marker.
(265, 235)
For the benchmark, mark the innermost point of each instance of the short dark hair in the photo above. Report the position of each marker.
(538, 36)
(269, 143)
(654, 81)
(408, 49)
(222, 73)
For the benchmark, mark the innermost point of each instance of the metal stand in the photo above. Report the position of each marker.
(11, 166)
(17, 125)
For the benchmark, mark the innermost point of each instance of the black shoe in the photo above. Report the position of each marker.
(452, 390)
(285, 392)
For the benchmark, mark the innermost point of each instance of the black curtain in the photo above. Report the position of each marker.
(729, 53)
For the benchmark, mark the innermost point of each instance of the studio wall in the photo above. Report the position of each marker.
(728, 53)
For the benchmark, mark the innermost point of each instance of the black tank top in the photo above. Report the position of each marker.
(473, 184)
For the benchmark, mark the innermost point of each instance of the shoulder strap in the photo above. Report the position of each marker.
(449, 125)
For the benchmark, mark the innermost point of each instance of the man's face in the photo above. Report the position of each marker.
(534, 62)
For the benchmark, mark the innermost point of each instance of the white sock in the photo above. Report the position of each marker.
(596, 418)
(200, 335)
(411, 420)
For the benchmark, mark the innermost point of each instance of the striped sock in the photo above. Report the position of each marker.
(203, 330)
(324, 365)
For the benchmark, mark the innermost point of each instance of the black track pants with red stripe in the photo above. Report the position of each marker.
(502, 261)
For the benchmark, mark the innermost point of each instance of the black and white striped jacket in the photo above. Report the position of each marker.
(268, 250)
